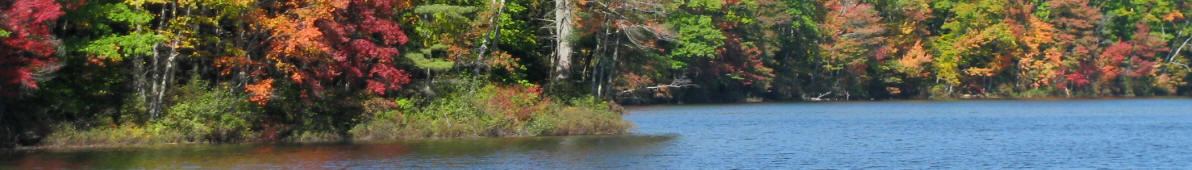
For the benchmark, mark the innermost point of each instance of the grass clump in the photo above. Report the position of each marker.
(583, 116)
(66, 136)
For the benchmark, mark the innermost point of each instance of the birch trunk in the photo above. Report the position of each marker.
(563, 45)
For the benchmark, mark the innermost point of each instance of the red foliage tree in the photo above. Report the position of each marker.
(1140, 52)
(1075, 35)
(742, 59)
(1146, 47)
(28, 45)
(1111, 60)
(317, 42)
(363, 39)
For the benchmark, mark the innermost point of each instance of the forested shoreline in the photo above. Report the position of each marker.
(917, 49)
(119, 72)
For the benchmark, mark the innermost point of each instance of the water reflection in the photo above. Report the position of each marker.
(572, 151)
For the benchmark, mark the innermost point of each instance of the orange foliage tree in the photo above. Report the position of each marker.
(853, 32)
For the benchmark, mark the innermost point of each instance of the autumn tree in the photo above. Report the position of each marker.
(322, 43)
(1125, 22)
(1038, 63)
(1076, 22)
(27, 58)
(906, 70)
(1126, 62)
(27, 44)
(967, 51)
(853, 38)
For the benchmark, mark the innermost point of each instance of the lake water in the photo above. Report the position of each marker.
(1148, 133)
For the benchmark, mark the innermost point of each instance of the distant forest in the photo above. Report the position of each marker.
(893, 49)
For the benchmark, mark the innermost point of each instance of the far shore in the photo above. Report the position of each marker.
(643, 106)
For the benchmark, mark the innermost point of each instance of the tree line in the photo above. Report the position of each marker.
(731, 51)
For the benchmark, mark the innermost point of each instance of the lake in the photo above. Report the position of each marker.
(1139, 133)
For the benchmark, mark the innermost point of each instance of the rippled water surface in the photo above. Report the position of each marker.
(1151, 133)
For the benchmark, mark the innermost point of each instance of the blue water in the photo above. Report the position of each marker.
(1144, 133)
(967, 134)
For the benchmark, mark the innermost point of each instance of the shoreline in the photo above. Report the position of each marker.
(915, 100)
(648, 106)
(69, 148)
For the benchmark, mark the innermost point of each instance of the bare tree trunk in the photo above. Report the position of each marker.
(151, 79)
(613, 66)
(563, 45)
(598, 69)
(163, 83)
(147, 79)
(594, 63)
(139, 77)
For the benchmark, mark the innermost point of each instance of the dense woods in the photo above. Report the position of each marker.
(230, 70)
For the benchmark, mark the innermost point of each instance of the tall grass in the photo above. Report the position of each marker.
(67, 136)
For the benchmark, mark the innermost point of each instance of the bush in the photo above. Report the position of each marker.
(295, 114)
(519, 103)
(215, 115)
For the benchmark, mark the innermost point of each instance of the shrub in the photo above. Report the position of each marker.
(216, 115)
(297, 115)
(518, 102)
